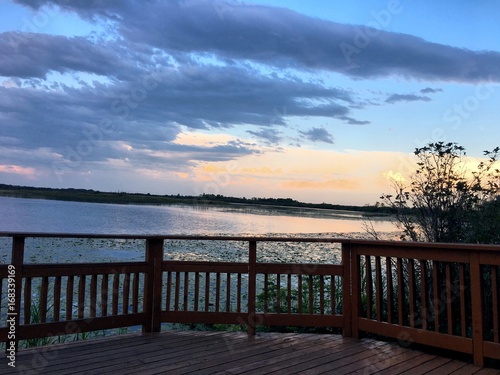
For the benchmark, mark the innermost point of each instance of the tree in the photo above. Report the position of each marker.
(445, 200)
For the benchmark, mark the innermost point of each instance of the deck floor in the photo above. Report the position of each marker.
(195, 352)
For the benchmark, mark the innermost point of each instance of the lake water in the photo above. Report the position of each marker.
(38, 215)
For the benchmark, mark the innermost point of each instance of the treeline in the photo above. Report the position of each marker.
(95, 196)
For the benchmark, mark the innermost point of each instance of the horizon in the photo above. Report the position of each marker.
(316, 102)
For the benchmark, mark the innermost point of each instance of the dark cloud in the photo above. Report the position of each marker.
(270, 135)
(430, 90)
(318, 135)
(282, 37)
(394, 98)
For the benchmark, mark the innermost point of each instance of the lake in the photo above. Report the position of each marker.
(38, 215)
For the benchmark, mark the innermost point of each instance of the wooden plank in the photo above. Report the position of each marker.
(321, 294)
(496, 307)
(44, 292)
(135, 293)
(126, 293)
(435, 293)
(116, 293)
(412, 251)
(81, 296)
(423, 293)
(311, 294)
(196, 290)
(289, 293)
(168, 298)
(27, 300)
(207, 291)
(477, 309)
(57, 298)
(390, 289)
(300, 296)
(252, 285)
(217, 291)
(177, 290)
(356, 292)
(228, 292)
(104, 294)
(348, 292)
(69, 297)
(463, 311)
(186, 291)
(449, 298)
(401, 289)
(238, 294)
(412, 291)
(93, 296)
(378, 288)
(441, 340)
(278, 294)
(368, 286)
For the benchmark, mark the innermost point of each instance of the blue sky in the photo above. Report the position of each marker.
(319, 101)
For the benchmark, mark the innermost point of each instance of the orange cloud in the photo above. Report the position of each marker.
(330, 184)
(16, 169)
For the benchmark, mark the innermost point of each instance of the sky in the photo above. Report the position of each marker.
(319, 101)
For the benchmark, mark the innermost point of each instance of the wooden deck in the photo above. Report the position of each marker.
(195, 352)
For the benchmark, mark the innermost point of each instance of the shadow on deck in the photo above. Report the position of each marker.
(202, 352)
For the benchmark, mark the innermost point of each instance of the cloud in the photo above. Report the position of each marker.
(281, 37)
(270, 135)
(430, 90)
(318, 135)
(394, 98)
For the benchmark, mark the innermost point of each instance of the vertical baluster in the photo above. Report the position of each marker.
(299, 286)
(104, 294)
(168, 299)
(217, 291)
(93, 296)
(278, 294)
(196, 290)
(116, 291)
(289, 293)
(412, 292)
(449, 298)
(369, 284)
(435, 292)
(321, 294)
(311, 295)
(135, 294)
(238, 297)
(126, 293)
(266, 294)
(69, 297)
(186, 291)
(494, 293)
(332, 294)
(378, 288)
(207, 291)
(177, 290)
(81, 297)
(390, 289)
(423, 288)
(463, 314)
(43, 299)
(228, 292)
(27, 301)
(400, 291)
(57, 298)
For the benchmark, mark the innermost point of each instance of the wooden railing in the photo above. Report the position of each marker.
(443, 295)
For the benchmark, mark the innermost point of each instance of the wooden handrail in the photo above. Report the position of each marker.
(444, 295)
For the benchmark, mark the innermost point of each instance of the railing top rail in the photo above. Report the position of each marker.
(378, 243)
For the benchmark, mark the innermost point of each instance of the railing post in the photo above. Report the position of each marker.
(17, 260)
(152, 293)
(252, 285)
(346, 289)
(355, 291)
(477, 309)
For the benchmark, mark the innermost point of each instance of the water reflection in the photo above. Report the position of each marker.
(36, 215)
